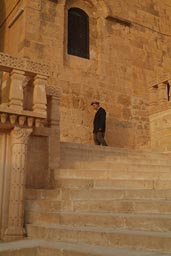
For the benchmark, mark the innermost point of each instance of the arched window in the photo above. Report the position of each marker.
(78, 33)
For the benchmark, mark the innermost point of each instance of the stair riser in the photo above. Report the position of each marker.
(120, 206)
(35, 194)
(42, 205)
(21, 252)
(107, 194)
(41, 217)
(112, 184)
(111, 174)
(103, 194)
(102, 238)
(100, 164)
(116, 222)
(123, 207)
(44, 252)
(62, 252)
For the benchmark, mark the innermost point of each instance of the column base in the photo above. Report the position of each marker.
(14, 233)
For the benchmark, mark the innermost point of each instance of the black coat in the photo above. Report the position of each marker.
(99, 121)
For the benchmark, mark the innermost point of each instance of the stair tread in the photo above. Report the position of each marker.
(130, 215)
(103, 230)
(95, 148)
(84, 248)
(116, 164)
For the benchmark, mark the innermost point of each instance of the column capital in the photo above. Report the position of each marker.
(40, 77)
(16, 71)
(20, 135)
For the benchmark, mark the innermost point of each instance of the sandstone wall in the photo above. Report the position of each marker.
(11, 35)
(129, 47)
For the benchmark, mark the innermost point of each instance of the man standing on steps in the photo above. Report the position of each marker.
(99, 124)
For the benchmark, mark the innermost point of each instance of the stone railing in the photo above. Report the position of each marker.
(22, 92)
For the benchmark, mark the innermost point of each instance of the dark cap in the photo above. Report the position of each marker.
(95, 102)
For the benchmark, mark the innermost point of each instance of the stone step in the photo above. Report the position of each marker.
(111, 194)
(96, 194)
(103, 163)
(139, 222)
(52, 248)
(21, 252)
(122, 206)
(119, 163)
(111, 184)
(80, 157)
(43, 194)
(80, 150)
(144, 206)
(52, 205)
(160, 241)
(126, 173)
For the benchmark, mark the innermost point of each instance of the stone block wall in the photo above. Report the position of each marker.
(11, 33)
(129, 47)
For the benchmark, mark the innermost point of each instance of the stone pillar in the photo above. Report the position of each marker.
(54, 136)
(16, 89)
(39, 95)
(162, 96)
(153, 99)
(19, 140)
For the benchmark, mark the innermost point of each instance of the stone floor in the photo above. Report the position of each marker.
(49, 248)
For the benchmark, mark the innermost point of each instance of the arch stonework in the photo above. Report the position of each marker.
(99, 5)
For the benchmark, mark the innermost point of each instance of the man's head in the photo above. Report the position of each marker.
(95, 105)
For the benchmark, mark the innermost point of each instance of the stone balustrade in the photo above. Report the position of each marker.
(23, 100)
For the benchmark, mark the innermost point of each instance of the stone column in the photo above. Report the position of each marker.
(16, 89)
(153, 99)
(54, 136)
(39, 95)
(162, 96)
(19, 140)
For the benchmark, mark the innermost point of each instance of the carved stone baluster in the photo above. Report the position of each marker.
(19, 140)
(39, 95)
(16, 89)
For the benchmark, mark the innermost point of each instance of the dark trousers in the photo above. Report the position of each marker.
(99, 139)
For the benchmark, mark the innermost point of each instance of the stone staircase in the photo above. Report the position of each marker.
(106, 202)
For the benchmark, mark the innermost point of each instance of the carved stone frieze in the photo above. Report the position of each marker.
(10, 120)
(53, 91)
(8, 62)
